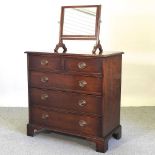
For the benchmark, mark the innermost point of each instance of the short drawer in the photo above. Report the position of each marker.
(64, 81)
(79, 103)
(83, 65)
(65, 121)
(44, 62)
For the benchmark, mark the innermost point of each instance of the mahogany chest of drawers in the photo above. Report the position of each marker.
(75, 94)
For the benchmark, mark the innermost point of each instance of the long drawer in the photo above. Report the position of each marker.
(65, 82)
(66, 100)
(65, 121)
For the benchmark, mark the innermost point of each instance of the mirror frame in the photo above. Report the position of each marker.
(80, 37)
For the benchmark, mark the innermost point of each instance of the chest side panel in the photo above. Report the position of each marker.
(111, 93)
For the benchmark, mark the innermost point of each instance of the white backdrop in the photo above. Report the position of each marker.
(127, 25)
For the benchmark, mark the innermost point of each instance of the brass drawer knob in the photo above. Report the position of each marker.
(44, 79)
(44, 116)
(35, 130)
(82, 83)
(82, 103)
(82, 123)
(44, 62)
(82, 65)
(44, 96)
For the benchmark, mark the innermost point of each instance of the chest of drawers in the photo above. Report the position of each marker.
(75, 94)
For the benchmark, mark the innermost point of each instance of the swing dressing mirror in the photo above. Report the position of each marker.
(80, 23)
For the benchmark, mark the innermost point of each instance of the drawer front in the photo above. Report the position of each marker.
(44, 62)
(66, 100)
(64, 121)
(62, 81)
(83, 65)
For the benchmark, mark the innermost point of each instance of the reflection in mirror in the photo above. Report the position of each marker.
(79, 21)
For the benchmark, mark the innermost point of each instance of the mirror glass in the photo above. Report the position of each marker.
(79, 21)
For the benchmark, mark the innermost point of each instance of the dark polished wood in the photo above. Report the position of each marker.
(75, 94)
(111, 90)
(54, 80)
(90, 65)
(43, 62)
(80, 103)
(70, 122)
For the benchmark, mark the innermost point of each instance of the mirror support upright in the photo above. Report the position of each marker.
(61, 44)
